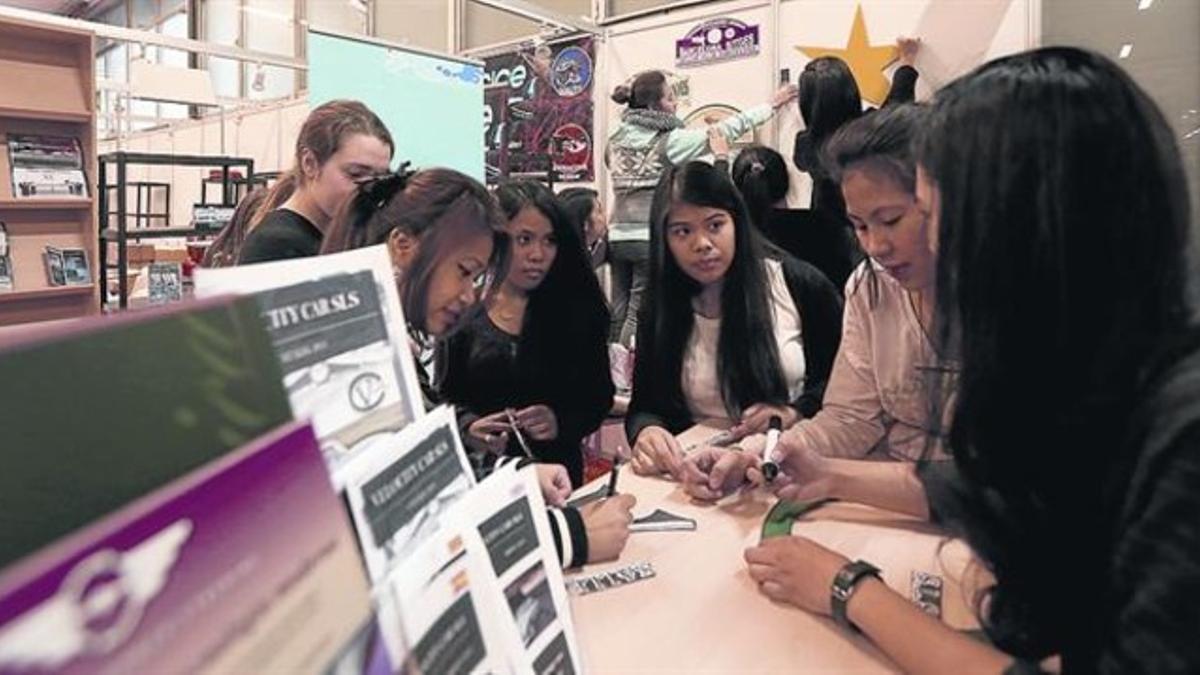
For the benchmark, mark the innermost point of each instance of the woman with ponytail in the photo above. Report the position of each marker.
(762, 177)
(649, 139)
(340, 144)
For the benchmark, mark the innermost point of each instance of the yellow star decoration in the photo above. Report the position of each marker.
(866, 62)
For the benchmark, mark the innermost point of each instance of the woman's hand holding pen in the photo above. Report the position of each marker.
(539, 421)
(489, 433)
(607, 524)
(711, 473)
(756, 417)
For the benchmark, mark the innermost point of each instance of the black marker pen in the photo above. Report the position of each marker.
(769, 468)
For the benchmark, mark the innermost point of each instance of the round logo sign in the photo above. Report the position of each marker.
(572, 149)
(366, 391)
(571, 72)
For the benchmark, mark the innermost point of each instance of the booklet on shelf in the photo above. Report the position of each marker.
(55, 273)
(164, 283)
(401, 486)
(246, 565)
(46, 166)
(6, 270)
(75, 267)
(340, 335)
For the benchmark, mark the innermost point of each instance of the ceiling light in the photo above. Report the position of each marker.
(1144, 4)
(1126, 49)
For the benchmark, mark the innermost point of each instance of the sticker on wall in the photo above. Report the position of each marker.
(572, 152)
(714, 113)
(715, 41)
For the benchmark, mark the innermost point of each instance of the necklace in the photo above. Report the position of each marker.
(916, 301)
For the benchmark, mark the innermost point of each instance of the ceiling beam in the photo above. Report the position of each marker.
(148, 38)
(528, 10)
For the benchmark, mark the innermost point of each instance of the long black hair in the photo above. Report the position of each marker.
(1061, 268)
(829, 97)
(748, 363)
(578, 204)
(568, 305)
(761, 175)
(431, 205)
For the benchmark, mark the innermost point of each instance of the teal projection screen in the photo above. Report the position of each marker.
(432, 105)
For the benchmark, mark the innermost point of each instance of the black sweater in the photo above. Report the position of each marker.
(826, 244)
(483, 370)
(281, 235)
(820, 306)
(827, 202)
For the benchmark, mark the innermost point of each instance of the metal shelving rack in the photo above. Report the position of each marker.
(118, 164)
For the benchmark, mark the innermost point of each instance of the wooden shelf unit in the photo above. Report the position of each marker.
(49, 88)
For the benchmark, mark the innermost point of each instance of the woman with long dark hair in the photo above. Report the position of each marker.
(649, 139)
(446, 237)
(533, 358)
(585, 212)
(727, 331)
(1062, 288)
(762, 177)
(828, 99)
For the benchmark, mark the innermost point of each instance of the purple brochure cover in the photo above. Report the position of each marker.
(246, 565)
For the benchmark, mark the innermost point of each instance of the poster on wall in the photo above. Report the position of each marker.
(715, 41)
(538, 111)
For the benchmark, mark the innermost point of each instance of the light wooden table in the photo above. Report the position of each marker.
(703, 612)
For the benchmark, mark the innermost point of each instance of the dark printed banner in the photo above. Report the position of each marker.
(509, 535)
(409, 488)
(555, 659)
(454, 643)
(538, 111)
(315, 320)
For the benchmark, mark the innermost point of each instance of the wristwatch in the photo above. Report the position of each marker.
(844, 584)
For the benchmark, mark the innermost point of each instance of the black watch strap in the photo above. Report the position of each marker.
(844, 584)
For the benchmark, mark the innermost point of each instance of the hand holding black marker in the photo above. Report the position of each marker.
(769, 468)
(612, 479)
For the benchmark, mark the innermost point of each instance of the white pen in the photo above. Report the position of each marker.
(512, 422)
(769, 468)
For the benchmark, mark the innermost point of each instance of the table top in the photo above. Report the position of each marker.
(703, 613)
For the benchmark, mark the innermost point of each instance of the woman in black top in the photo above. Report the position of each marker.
(1062, 281)
(728, 330)
(585, 212)
(340, 144)
(762, 177)
(829, 98)
(534, 354)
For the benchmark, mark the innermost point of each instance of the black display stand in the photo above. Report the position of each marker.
(117, 163)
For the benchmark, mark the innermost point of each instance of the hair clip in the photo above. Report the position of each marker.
(377, 190)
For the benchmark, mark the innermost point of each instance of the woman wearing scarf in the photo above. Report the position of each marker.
(649, 139)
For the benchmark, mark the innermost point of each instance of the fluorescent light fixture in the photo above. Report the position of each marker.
(1126, 50)
(1144, 4)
